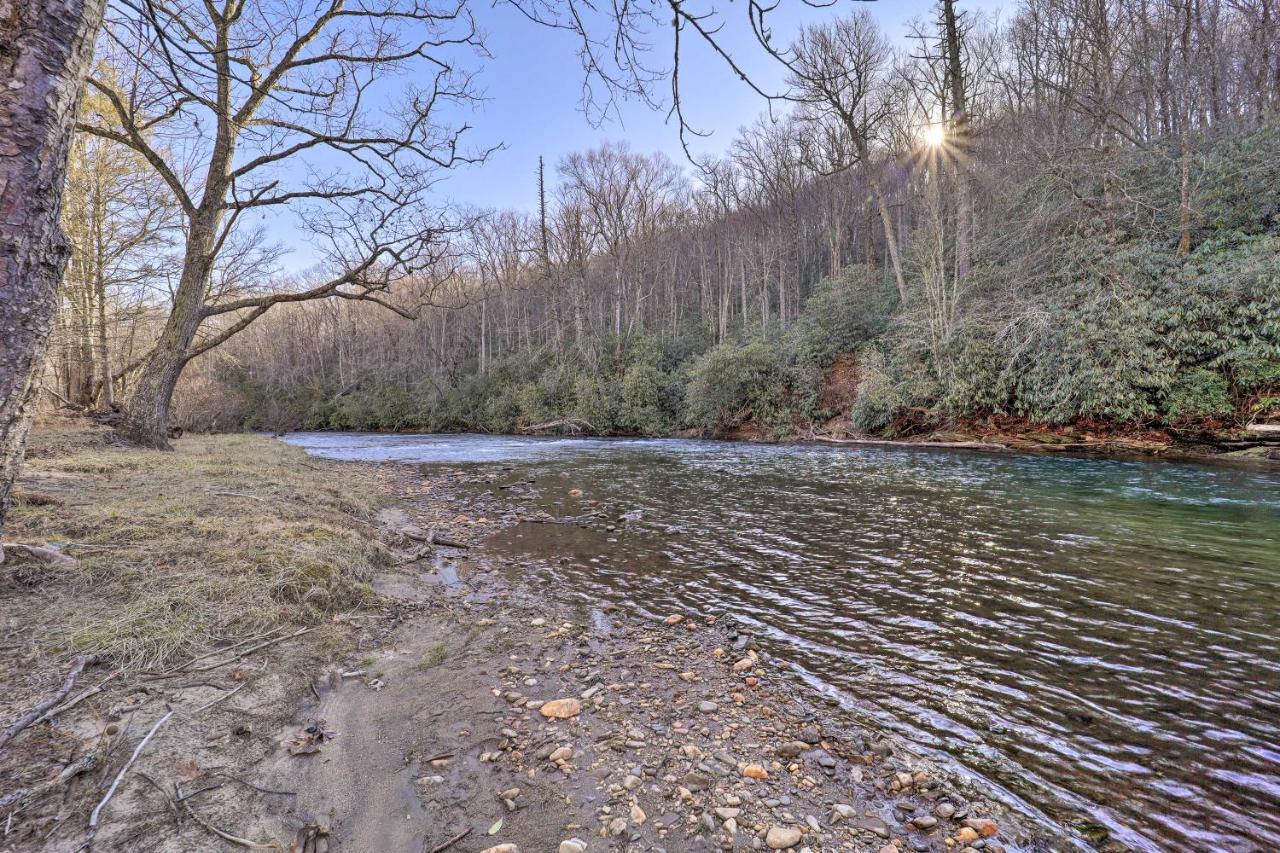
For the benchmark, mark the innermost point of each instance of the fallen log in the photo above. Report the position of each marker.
(888, 442)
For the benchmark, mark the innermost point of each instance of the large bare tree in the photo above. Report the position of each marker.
(270, 106)
(45, 50)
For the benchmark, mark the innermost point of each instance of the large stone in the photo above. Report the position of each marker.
(984, 827)
(872, 824)
(782, 837)
(561, 709)
(573, 845)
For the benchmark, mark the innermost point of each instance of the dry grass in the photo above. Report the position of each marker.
(225, 536)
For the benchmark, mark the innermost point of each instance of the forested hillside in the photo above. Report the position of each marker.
(1068, 216)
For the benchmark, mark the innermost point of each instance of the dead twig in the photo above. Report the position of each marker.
(226, 836)
(226, 695)
(220, 664)
(182, 668)
(71, 703)
(115, 783)
(452, 841)
(48, 702)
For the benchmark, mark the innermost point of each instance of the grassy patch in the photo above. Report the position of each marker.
(225, 536)
(438, 655)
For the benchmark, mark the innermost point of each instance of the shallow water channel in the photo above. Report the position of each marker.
(1096, 640)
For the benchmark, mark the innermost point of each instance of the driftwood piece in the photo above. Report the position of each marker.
(47, 702)
(885, 442)
(575, 426)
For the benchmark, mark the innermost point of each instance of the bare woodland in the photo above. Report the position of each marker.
(897, 164)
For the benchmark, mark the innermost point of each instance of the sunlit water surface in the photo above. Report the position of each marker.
(1096, 640)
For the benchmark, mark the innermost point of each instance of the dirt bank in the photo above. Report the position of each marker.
(455, 705)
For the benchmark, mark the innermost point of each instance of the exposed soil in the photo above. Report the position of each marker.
(677, 735)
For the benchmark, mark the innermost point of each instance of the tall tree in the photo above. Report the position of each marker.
(839, 70)
(277, 86)
(46, 47)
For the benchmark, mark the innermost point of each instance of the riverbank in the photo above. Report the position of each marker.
(469, 708)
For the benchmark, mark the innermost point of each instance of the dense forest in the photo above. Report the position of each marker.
(1068, 216)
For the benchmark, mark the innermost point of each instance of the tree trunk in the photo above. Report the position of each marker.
(147, 421)
(45, 50)
(959, 139)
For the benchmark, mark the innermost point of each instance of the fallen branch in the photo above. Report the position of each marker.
(245, 653)
(574, 425)
(71, 703)
(182, 667)
(83, 764)
(431, 538)
(887, 442)
(226, 695)
(226, 836)
(452, 841)
(48, 702)
(115, 783)
(51, 556)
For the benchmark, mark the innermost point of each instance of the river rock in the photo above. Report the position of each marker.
(725, 812)
(673, 619)
(572, 845)
(925, 822)
(707, 707)
(966, 835)
(842, 811)
(810, 735)
(873, 825)
(945, 810)
(755, 771)
(984, 827)
(502, 848)
(782, 837)
(696, 780)
(792, 749)
(561, 709)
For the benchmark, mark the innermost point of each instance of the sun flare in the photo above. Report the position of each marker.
(934, 135)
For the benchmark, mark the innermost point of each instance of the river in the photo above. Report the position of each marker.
(1096, 641)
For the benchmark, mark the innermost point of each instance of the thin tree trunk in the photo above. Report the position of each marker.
(45, 50)
(960, 140)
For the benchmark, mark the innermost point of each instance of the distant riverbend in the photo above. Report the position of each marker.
(1097, 641)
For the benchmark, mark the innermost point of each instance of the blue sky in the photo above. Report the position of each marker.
(533, 82)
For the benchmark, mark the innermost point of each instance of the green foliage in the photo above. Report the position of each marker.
(733, 384)
(879, 398)
(1197, 393)
(845, 311)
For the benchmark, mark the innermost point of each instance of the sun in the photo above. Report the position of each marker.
(934, 135)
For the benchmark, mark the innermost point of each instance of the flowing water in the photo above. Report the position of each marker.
(1096, 640)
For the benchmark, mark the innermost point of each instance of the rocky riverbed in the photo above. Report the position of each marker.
(673, 734)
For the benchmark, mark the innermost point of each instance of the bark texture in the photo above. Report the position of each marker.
(46, 47)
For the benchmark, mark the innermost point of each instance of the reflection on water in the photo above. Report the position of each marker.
(1100, 640)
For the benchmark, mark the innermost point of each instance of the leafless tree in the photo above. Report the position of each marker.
(248, 91)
